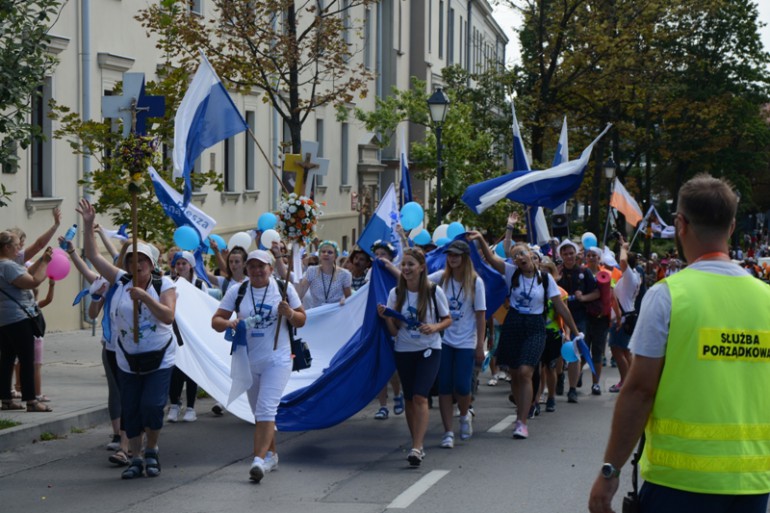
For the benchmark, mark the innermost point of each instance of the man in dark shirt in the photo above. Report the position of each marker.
(580, 284)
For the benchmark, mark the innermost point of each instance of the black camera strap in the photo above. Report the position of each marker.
(635, 463)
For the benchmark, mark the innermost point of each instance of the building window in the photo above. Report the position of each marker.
(400, 27)
(196, 6)
(41, 168)
(441, 29)
(250, 154)
(344, 146)
(450, 38)
(230, 164)
(319, 136)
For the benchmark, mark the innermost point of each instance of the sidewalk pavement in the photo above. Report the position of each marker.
(73, 378)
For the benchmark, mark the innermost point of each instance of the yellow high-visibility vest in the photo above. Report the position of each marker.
(709, 430)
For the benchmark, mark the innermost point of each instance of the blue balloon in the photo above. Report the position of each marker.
(187, 238)
(423, 237)
(443, 241)
(267, 221)
(568, 352)
(221, 244)
(500, 250)
(411, 215)
(589, 240)
(455, 229)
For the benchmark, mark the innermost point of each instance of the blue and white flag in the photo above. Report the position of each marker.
(520, 162)
(119, 234)
(380, 226)
(406, 183)
(171, 201)
(562, 155)
(549, 188)
(206, 116)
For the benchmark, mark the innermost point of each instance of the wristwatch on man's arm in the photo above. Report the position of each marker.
(609, 471)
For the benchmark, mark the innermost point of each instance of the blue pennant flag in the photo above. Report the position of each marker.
(380, 226)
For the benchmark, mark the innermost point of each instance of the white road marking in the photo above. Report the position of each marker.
(503, 424)
(413, 493)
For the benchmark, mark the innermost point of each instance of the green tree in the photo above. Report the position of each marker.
(298, 53)
(110, 181)
(24, 62)
(682, 82)
(479, 109)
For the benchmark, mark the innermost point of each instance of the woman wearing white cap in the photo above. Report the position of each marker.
(184, 267)
(264, 305)
(144, 366)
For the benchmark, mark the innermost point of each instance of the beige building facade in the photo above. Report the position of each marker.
(97, 41)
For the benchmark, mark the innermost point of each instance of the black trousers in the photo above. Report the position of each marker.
(17, 340)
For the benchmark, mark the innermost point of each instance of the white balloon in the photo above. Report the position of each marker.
(416, 231)
(440, 232)
(241, 239)
(268, 237)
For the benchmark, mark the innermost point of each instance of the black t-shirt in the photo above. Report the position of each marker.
(572, 280)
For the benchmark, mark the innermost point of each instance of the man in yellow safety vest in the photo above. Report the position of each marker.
(698, 382)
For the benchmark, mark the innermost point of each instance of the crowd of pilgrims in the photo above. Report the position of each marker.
(443, 340)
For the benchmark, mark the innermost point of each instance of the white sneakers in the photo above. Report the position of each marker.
(271, 461)
(190, 415)
(174, 410)
(173, 413)
(448, 442)
(260, 467)
(466, 426)
(257, 470)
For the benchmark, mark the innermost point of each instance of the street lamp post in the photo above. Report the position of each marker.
(609, 173)
(438, 104)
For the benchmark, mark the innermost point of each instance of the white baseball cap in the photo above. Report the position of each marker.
(565, 243)
(262, 256)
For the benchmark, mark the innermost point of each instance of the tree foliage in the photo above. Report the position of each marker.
(297, 53)
(683, 83)
(24, 62)
(476, 137)
(110, 181)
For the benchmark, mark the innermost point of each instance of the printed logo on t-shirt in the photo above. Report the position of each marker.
(456, 309)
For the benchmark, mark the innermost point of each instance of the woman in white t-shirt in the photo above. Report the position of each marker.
(326, 282)
(425, 313)
(463, 342)
(143, 384)
(265, 306)
(522, 339)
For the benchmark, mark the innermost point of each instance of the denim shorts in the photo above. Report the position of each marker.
(455, 375)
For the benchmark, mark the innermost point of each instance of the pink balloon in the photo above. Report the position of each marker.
(58, 268)
(60, 251)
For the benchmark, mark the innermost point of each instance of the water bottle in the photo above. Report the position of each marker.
(69, 236)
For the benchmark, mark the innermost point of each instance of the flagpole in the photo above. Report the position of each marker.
(643, 223)
(270, 164)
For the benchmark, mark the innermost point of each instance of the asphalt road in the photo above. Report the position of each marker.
(357, 466)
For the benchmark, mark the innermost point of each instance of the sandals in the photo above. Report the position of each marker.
(398, 404)
(119, 458)
(151, 463)
(37, 406)
(43, 398)
(10, 405)
(381, 414)
(136, 469)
